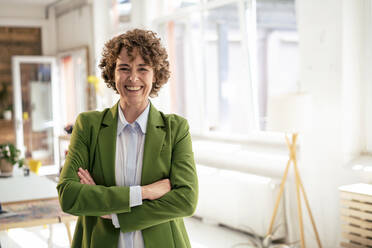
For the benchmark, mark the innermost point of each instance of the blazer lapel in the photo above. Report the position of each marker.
(107, 144)
(155, 134)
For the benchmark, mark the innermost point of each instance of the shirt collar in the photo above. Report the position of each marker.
(141, 121)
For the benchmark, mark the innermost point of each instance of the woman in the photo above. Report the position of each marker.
(130, 173)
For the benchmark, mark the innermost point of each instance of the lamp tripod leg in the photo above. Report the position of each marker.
(308, 206)
(279, 197)
(292, 149)
(299, 209)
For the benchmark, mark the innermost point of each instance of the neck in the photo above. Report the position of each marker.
(131, 112)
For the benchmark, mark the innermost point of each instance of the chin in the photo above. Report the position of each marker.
(132, 101)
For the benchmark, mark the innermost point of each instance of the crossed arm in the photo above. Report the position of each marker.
(149, 192)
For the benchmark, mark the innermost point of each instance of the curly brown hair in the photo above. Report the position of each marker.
(148, 46)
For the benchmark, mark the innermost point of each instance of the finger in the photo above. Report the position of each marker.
(89, 181)
(84, 180)
(81, 173)
(84, 174)
(81, 176)
(89, 177)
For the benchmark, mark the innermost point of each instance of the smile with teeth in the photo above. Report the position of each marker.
(133, 88)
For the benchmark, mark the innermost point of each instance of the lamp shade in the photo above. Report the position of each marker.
(289, 113)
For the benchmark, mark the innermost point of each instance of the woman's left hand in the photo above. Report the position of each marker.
(86, 178)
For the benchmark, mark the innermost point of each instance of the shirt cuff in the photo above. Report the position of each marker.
(115, 220)
(135, 196)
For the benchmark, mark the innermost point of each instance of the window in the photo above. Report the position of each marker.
(210, 83)
(73, 87)
(277, 52)
(120, 10)
(216, 81)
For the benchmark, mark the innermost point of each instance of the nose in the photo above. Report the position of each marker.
(133, 76)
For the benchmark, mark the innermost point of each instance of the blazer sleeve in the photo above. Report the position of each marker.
(81, 199)
(181, 201)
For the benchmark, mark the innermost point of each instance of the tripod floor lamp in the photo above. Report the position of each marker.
(289, 114)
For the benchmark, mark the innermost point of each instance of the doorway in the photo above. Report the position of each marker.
(35, 107)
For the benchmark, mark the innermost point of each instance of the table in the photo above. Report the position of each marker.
(34, 201)
(19, 188)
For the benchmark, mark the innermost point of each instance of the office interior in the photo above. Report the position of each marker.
(228, 59)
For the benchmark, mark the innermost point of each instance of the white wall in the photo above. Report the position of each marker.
(329, 38)
(24, 11)
(74, 30)
(367, 75)
(352, 81)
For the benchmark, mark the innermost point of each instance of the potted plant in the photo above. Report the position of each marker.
(9, 156)
(7, 114)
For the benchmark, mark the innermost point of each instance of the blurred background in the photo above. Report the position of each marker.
(227, 58)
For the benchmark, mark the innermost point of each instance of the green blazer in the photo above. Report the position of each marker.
(167, 154)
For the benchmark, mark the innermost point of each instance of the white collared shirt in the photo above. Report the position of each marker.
(130, 141)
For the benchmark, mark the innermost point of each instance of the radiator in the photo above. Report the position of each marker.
(239, 200)
(356, 215)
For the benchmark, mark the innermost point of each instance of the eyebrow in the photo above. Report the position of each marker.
(129, 66)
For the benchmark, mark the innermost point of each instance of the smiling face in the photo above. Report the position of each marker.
(133, 80)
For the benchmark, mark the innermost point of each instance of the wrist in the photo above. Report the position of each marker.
(144, 192)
